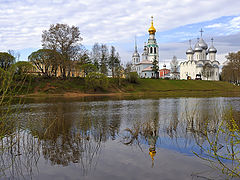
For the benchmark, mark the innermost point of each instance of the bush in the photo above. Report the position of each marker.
(132, 77)
(95, 81)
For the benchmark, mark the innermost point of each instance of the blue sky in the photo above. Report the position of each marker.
(116, 22)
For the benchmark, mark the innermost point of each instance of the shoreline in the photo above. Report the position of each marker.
(167, 93)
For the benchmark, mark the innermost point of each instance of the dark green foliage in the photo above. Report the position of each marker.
(96, 81)
(132, 77)
(88, 68)
(23, 67)
(6, 60)
(155, 67)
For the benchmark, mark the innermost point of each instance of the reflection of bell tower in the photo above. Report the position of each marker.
(152, 129)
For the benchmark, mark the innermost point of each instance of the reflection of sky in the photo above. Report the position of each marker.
(113, 117)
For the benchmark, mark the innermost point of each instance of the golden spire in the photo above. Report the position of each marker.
(152, 29)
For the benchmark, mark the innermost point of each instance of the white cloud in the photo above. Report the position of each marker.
(217, 25)
(112, 21)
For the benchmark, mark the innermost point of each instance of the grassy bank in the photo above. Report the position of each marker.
(145, 87)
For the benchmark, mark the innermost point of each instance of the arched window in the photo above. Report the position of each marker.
(151, 50)
(155, 50)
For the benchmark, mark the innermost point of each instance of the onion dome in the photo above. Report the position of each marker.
(190, 50)
(202, 44)
(152, 29)
(197, 47)
(135, 54)
(212, 49)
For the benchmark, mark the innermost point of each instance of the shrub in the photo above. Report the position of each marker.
(95, 81)
(132, 77)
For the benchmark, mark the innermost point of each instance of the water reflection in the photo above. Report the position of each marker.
(74, 134)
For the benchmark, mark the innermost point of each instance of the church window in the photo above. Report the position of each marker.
(155, 50)
(216, 73)
(151, 50)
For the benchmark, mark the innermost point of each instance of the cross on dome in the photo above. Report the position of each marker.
(201, 31)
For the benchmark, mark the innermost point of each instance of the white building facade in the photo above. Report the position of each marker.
(150, 53)
(201, 62)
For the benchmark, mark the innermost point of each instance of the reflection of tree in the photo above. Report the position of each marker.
(20, 155)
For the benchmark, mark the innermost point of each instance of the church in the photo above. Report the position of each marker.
(150, 52)
(201, 62)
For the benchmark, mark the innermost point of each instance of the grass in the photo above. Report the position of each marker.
(148, 87)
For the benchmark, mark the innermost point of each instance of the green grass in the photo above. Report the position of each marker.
(147, 87)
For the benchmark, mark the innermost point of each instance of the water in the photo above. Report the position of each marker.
(112, 139)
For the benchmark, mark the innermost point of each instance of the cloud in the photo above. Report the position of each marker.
(217, 25)
(110, 21)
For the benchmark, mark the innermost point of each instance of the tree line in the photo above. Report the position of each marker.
(64, 54)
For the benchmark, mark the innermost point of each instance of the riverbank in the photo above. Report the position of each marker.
(75, 87)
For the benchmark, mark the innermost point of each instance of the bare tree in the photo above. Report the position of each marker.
(231, 71)
(95, 55)
(65, 40)
(174, 64)
(207, 71)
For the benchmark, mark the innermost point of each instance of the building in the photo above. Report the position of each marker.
(201, 62)
(164, 72)
(150, 53)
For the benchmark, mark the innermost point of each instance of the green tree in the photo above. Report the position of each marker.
(96, 81)
(24, 67)
(88, 68)
(155, 67)
(65, 40)
(46, 60)
(6, 60)
(114, 61)
(104, 59)
(132, 77)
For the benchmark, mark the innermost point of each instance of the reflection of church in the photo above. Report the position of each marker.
(201, 62)
(150, 52)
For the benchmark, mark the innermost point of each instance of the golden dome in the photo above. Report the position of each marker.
(152, 29)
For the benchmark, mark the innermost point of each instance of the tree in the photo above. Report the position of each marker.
(88, 68)
(16, 55)
(103, 59)
(128, 68)
(65, 40)
(231, 71)
(96, 55)
(23, 67)
(6, 60)
(46, 61)
(95, 81)
(174, 64)
(174, 67)
(207, 71)
(114, 61)
(155, 67)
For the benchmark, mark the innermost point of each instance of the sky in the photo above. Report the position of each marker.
(117, 22)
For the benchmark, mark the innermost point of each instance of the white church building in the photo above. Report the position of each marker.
(201, 62)
(150, 52)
